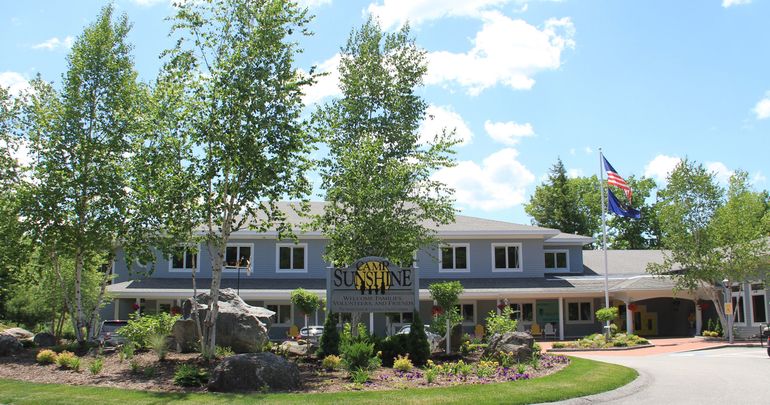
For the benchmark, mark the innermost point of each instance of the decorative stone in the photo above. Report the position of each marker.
(45, 339)
(254, 371)
(240, 326)
(518, 343)
(298, 348)
(19, 333)
(9, 344)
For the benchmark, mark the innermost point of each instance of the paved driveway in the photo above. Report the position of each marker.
(730, 375)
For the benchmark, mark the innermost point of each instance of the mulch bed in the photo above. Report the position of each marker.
(149, 374)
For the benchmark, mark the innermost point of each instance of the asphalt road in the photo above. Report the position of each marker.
(735, 375)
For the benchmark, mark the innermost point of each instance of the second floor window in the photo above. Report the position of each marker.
(237, 256)
(291, 257)
(454, 257)
(556, 260)
(184, 259)
(506, 256)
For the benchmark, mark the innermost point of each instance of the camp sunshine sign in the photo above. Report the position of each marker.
(372, 284)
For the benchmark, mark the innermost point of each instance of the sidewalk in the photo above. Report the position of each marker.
(662, 346)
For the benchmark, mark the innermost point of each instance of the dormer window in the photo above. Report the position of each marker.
(556, 260)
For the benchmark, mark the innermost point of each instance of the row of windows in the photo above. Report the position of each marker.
(454, 257)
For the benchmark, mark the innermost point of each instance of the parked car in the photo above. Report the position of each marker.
(108, 333)
(433, 338)
(311, 332)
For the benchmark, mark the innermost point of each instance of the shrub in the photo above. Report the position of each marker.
(402, 363)
(141, 328)
(224, 351)
(305, 301)
(536, 348)
(135, 367)
(559, 345)
(501, 323)
(159, 345)
(521, 368)
(187, 375)
(417, 342)
(391, 347)
(357, 355)
(506, 359)
(430, 375)
(331, 362)
(330, 339)
(486, 369)
(96, 366)
(360, 376)
(127, 351)
(604, 315)
(150, 371)
(66, 360)
(46, 357)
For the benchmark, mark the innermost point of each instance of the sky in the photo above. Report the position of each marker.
(522, 82)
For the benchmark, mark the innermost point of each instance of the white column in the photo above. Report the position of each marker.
(498, 306)
(629, 317)
(138, 305)
(698, 319)
(116, 305)
(371, 322)
(561, 318)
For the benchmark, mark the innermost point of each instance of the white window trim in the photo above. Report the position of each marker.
(751, 304)
(508, 269)
(279, 303)
(578, 301)
(278, 268)
(239, 245)
(467, 247)
(197, 267)
(556, 269)
(475, 312)
(740, 295)
(534, 311)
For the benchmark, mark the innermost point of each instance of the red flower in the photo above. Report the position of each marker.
(632, 307)
(437, 310)
(500, 306)
(135, 306)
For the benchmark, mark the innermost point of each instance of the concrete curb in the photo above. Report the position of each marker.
(641, 382)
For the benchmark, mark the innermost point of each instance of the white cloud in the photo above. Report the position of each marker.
(505, 51)
(313, 3)
(588, 150)
(660, 167)
(150, 3)
(508, 133)
(757, 178)
(500, 181)
(396, 12)
(730, 3)
(325, 86)
(574, 173)
(15, 82)
(439, 117)
(721, 172)
(762, 109)
(55, 43)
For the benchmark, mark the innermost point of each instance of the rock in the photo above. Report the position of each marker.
(19, 333)
(45, 339)
(240, 326)
(253, 371)
(518, 343)
(9, 344)
(298, 348)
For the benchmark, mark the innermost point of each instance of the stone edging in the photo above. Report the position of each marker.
(599, 349)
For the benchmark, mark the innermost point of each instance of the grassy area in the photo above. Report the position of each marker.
(581, 377)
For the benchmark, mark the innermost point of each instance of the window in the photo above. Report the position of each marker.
(556, 260)
(454, 257)
(237, 256)
(758, 304)
(402, 317)
(506, 256)
(292, 257)
(183, 259)
(580, 311)
(468, 312)
(523, 312)
(282, 313)
(738, 309)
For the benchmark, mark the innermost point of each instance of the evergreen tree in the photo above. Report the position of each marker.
(330, 339)
(417, 342)
(559, 204)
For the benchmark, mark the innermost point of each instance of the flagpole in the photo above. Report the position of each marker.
(604, 231)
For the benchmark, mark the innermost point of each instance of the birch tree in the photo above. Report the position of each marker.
(241, 143)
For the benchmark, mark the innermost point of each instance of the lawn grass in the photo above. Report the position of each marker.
(581, 377)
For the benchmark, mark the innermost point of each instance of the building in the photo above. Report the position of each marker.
(543, 274)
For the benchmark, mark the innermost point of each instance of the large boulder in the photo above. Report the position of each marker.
(518, 343)
(240, 326)
(9, 344)
(254, 371)
(45, 339)
(19, 333)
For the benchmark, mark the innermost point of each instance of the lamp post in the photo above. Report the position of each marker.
(728, 314)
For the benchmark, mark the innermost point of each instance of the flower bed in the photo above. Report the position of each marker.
(599, 341)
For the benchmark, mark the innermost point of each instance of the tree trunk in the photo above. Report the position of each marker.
(67, 304)
(94, 320)
(210, 330)
(79, 295)
(448, 334)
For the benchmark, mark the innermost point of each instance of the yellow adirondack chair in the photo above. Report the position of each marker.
(293, 332)
(479, 331)
(536, 330)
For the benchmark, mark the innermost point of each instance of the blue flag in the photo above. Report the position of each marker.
(618, 209)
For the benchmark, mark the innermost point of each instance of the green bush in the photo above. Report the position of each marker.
(430, 375)
(66, 360)
(159, 345)
(360, 376)
(501, 323)
(392, 346)
(559, 345)
(305, 301)
(417, 342)
(135, 366)
(187, 375)
(127, 351)
(46, 356)
(141, 328)
(604, 315)
(402, 363)
(330, 339)
(357, 355)
(224, 351)
(150, 372)
(96, 366)
(331, 362)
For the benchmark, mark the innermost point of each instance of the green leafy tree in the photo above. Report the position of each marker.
(236, 134)
(80, 140)
(642, 233)
(379, 193)
(447, 296)
(711, 238)
(306, 301)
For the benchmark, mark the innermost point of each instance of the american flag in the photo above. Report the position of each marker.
(614, 178)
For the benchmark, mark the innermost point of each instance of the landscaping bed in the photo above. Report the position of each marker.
(597, 341)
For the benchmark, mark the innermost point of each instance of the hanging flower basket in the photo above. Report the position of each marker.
(500, 306)
(437, 310)
(632, 307)
(135, 306)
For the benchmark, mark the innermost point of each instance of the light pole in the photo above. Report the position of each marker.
(728, 314)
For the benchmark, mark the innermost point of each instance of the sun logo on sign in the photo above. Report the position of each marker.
(373, 276)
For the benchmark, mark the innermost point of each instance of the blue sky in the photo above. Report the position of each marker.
(522, 81)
